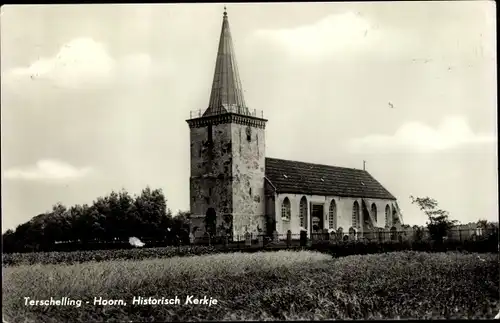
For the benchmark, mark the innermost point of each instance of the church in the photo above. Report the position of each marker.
(233, 183)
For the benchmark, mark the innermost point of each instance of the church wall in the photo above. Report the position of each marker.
(344, 212)
(197, 136)
(381, 204)
(344, 206)
(282, 225)
(248, 170)
(210, 182)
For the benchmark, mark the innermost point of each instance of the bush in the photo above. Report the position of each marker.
(342, 249)
(103, 255)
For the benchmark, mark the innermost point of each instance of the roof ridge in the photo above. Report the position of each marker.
(317, 164)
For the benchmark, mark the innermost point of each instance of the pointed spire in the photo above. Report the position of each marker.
(227, 92)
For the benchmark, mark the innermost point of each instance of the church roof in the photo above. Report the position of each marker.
(288, 176)
(227, 93)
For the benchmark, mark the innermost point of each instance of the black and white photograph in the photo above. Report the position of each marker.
(249, 161)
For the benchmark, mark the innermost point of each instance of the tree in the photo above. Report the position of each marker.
(151, 208)
(96, 221)
(56, 225)
(102, 210)
(9, 243)
(487, 225)
(181, 225)
(439, 223)
(117, 215)
(80, 224)
(128, 214)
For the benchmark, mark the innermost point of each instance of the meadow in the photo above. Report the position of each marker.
(72, 257)
(283, 285)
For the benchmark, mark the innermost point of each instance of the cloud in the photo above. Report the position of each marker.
(340, 36)
(344, 32)
(47, 170)
(414, 136)
(83, 63)
(79, 62)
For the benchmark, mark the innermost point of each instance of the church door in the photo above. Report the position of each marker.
(211, 222)
(317, 220)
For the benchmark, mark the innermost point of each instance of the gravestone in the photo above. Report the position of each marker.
(352, 234)
(276, 237)
(393, 234)
(325, 235)
(381, 235)
(261, 240)
(289, 238)
(248, 240)
(206, 238)
(303, 238)
(340, 234)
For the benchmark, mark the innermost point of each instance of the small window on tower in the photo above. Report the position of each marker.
(249, 134)
(250, 191)
(210, 191)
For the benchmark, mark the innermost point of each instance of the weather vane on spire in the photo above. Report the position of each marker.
(225, 11)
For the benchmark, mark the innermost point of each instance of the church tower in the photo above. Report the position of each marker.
(227, 154)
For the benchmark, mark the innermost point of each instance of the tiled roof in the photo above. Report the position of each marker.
(289, 176)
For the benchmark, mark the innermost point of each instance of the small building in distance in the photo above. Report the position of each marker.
(235, 184)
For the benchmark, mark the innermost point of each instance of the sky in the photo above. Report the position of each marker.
(94, 98)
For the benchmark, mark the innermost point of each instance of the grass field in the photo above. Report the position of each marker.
(274, 285)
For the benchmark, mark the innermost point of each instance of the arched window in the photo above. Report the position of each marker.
(303, 212)
(285, 209)
(332, 215)
(374, 212)
(394, 215)
(388, 221)
(355, 214)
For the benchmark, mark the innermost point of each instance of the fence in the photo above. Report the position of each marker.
(229, 109)
(289, 240)
(376, 236)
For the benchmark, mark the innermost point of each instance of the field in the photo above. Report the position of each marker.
(59, 257)
(279, 285)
